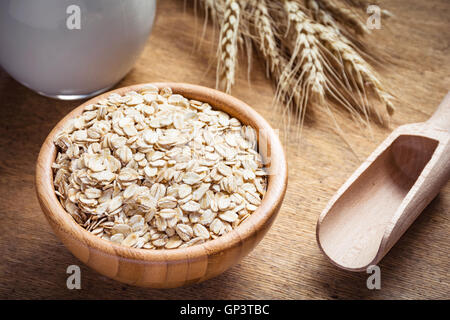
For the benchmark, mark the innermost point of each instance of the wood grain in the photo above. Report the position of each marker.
(287, 264)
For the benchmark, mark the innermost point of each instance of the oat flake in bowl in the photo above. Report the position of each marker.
(154, 170)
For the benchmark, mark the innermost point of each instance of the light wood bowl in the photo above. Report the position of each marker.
(176, 267)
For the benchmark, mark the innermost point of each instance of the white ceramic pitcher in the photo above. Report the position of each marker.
(72, 49)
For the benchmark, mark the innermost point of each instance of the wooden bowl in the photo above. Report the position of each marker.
(175, 267)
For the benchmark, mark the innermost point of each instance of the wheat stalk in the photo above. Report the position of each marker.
(227, 51)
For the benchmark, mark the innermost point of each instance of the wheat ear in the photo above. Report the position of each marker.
(286, 91)
(227, 52)
(313, 72)
(355, 66)
(309, 38)
(267, 43)
(305, 55)
(345, 15)
(265, 37)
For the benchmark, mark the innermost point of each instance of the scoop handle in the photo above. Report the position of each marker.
(431, 180)
(441, 117)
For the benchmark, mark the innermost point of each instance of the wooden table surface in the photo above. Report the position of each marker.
(287, 264)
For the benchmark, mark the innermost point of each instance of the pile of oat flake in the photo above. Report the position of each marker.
(154, 170)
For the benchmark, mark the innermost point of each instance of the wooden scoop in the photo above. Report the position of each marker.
(378, 203)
